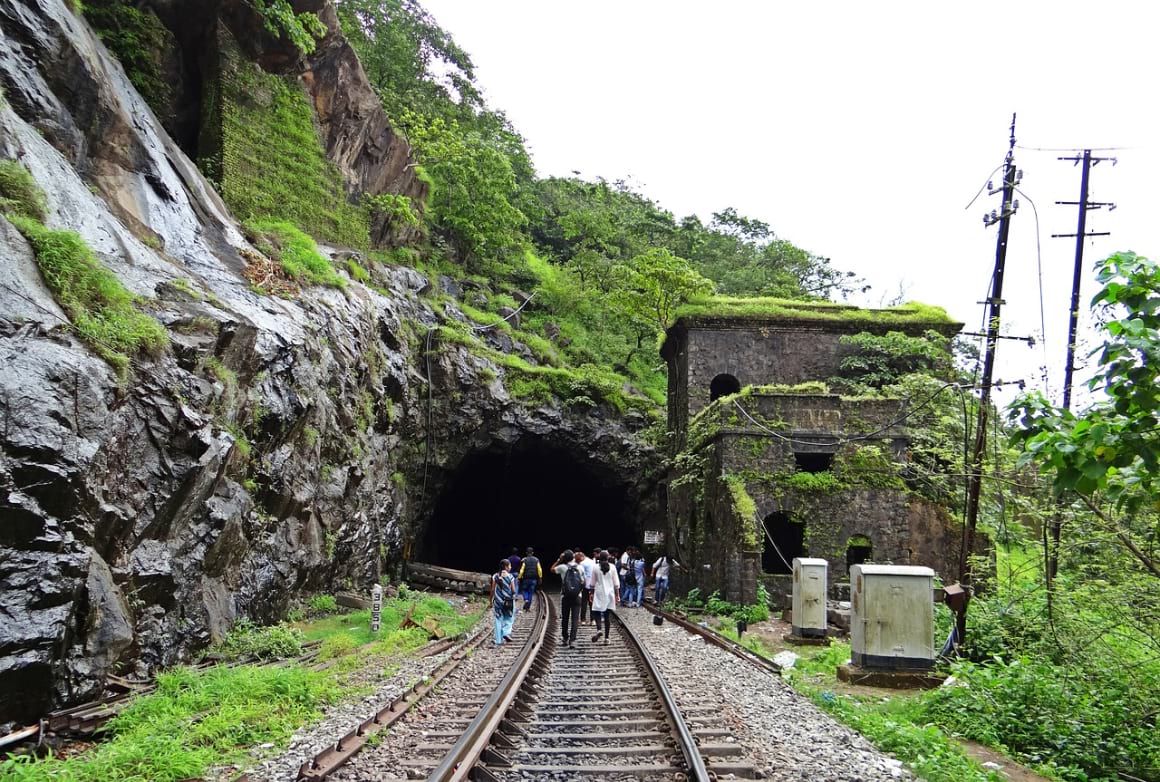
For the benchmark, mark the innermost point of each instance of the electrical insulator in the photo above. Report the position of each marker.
(1018, 175)
(990, 186)
(1015, 205)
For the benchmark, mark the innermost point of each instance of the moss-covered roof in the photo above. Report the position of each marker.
(743, 312)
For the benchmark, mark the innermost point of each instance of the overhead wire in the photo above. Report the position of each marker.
(1039, 267)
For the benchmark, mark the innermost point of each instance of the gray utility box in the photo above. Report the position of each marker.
(892, 626)
(809, 597)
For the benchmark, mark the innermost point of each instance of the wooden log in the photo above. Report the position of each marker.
(351, 600)
(448, 578)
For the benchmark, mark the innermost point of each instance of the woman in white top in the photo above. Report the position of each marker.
(605, 586)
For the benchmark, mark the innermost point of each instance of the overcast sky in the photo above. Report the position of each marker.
(858, 131)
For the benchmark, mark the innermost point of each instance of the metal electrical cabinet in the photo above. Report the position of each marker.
(893, 617)
(809, 597)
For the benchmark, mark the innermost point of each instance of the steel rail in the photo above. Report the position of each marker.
(461, 759)
(328, 760)
(717, 639)
(694, 762)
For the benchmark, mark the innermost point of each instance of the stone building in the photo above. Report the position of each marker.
(768, 465)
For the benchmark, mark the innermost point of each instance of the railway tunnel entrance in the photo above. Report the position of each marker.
(533, 494)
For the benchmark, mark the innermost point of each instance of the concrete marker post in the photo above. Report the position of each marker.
(376, 607)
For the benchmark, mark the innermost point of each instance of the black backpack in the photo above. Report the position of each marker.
(530, 565)
(573, 581)
(630, 575)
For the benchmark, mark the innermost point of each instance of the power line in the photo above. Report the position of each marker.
(1073, 149)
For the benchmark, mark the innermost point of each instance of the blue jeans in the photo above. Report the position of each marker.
(503, 624)
(528, 588)
(661, 589)
(637, 593)
(625, 593)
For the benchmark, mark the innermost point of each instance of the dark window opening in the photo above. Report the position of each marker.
(784, 541)
(723, 385)
(813, 462)
(858, 551)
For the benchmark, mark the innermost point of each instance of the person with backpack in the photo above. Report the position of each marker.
(605, 587)
(503, 601)
(514, 558)
(530, 575)
(622, 569)
(660, 571)
(635, 578)
(628, 577)
(571, 594)
(586, 567)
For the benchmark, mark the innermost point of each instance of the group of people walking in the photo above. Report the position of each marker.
(591, 587)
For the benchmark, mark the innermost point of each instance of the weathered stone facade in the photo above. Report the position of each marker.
(770, 474)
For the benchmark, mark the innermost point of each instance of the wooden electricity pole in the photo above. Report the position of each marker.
(994, 305)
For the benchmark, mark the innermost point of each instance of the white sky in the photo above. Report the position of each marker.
(858, 131)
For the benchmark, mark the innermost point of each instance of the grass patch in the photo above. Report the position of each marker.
(19, 193)
(763, 308)
(101, 310)
(195, 720)
(355, 627)
(246, 639)
(295, 251)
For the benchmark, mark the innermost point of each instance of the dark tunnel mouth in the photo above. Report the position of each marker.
(533, 493)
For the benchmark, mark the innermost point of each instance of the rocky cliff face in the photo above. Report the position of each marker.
(260, 456)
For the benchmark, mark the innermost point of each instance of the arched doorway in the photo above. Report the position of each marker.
(858, 550)
(783, 542)
(723, 385)
(528, 494)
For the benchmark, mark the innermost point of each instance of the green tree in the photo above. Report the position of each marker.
(1108, 455)
(651, 286)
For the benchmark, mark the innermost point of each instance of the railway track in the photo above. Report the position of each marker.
(594, 711)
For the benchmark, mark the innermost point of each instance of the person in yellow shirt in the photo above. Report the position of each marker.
(530, 575)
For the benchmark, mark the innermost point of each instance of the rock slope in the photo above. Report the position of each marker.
(260, 456)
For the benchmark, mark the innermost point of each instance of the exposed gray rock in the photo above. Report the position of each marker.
(255, 460)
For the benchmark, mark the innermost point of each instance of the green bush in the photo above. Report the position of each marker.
(101, 309)
(755, 612)
(246, 639)
(1081, 721)
(323, 604)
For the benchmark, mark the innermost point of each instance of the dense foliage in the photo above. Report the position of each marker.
(609, 267)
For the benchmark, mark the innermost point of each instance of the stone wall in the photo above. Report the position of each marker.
(860, 494)
(773, 352)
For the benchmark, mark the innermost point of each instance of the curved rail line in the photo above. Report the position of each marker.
(329, 759)
(716, 639)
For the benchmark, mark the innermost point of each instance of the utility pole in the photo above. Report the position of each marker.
(1081, 233)
(994, 306)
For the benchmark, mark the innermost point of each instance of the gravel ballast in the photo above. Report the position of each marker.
(784, 735)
